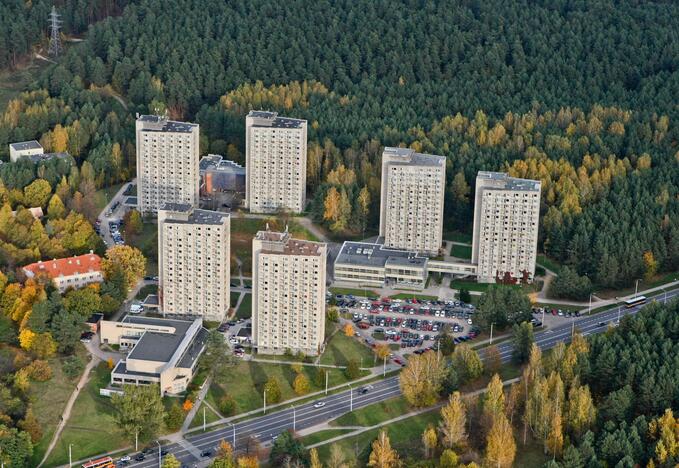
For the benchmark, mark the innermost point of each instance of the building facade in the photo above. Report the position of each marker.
(24, 148)
(167, 163)
(160, 351)
(366, 264)
(194, 262)
(411, 211)
(288, 297)
(275, 161)
(71, 272)
(506, 217)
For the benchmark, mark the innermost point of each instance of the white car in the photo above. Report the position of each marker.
(319, 404)
(233, 340)
(469, 321)
(126, 458)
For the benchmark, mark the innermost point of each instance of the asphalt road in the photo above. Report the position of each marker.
(265, 427)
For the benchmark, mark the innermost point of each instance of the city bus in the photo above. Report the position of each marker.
(635, 301)
(106, 462)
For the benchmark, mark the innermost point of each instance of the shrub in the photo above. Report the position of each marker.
(227, 405)
(40, 370)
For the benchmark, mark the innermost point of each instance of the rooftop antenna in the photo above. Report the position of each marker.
(55, 38)
(267, 226)
(286, 228)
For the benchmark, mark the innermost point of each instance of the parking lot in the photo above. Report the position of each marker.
(416, 324)
(409, 323)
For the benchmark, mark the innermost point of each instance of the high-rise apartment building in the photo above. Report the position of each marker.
(506, 216)
(411, 211)
(194, 261)
(288, 297)
(275, 163)
(167, 163)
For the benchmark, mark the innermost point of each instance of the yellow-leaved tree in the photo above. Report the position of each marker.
(383, 455)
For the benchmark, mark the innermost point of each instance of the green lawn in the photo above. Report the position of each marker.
(321, 436)
(146, 290)
(342, 348)
(405, 437)
(210, 416)
(374, 414)
(461, 251)
(244, 229)
(147, 242)
(457, 236)
(91, 428)
(658, 280)
(245, 309)
(482, 287)
(245, 383)
(105, 195)
(548, 263)
(48, 400)
(354, 292)
(414, 296)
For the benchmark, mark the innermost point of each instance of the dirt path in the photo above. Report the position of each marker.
(69, 406)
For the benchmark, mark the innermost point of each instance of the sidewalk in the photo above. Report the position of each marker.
(69, 406)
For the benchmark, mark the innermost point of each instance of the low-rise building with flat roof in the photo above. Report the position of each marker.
(160, 351)
(24, 148)
(373, 264)
(70, 272)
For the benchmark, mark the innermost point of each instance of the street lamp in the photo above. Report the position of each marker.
(589, 310)
(351, 398)
(327, 372)
(265, 401)
(70, 458)
(491, 332)
(160, 456)
(294, 419)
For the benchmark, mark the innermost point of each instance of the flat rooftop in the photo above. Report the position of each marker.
(408, 157)
(281, 243)
(215, 162)
(376, 255)
(157, 123)
(121, 368)
(271, 119)
(158, 346)
(193, 351)
(195, 216)
(502, 181)
(26, 145)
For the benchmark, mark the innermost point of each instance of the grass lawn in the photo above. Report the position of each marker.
(374, 414)
(103, 196)
(245, 309)
(234, 298)
(416, 296)
(147, 242)
(48, 400)
(244, 229)
(457, 236)
(91, 428)
(483, 287)
(405, 437)
(245, 383)
(548, 263)
(658, 280)
(210, 416)
(146, 290)
(461, 251)
(342, 348)
(353, 292)
(321, 436)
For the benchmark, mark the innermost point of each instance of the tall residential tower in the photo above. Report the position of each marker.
(275, 163)
(167, 163)
(411, 211)
(288, 297)
(194, 261)
(506, 215)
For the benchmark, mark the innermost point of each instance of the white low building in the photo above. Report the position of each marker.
(69, 272)
(164, 352)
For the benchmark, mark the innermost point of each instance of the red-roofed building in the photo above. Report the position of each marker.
(70, 272)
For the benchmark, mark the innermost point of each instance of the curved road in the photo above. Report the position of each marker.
(265, 427)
